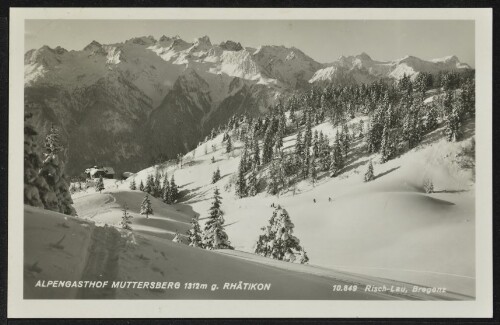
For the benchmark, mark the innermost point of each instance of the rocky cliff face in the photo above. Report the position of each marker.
(125, 104)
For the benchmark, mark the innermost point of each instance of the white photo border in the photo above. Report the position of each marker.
(482, 306)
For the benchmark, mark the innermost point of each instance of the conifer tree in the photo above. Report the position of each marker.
(256, 153)
(430, 118)
(156, 185)
(229, 145)
(274, 178)
(35, 185)
(146, 208)
(133, 185)
(313, 169)
(174, 190)
(277, 240)
(253, 182)
(428, 185)
(453, 123)
(149, 184)
(214, 235)
(241, 184)
(337, 157)
(141, 186)
(194, 234)
(267, 147)
(303, 258)
(58, 197)
(369, 172)
(99, 185)
(126, 222)
(216, 176)
(315, 144)
(177, 237)
(167, 193)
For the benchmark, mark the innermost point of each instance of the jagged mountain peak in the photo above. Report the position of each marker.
(364, 56)
(230, 46)
(202, 41)
(142, 40)
(93, 46)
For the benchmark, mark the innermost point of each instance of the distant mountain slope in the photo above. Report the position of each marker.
(124, 104)
(363, 69)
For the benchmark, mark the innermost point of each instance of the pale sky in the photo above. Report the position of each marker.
(324, 41)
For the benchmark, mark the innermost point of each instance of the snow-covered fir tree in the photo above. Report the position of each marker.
(256, 153)
(453, 121)
(337, 156)
(369, 173)
(99, 184)
(194, 234)
(141, 186)
(133, 185)
(253, 183)
(174, 190)
(214, 235)
(58, 198)
(126, 219)
(277, 240)
(229, 145)
(313, 169)
(35, 186)
(177, 238)
(146, 208)
(166, 196)
(241, 183)
(149, 184)
(216, 176)
(428, 185)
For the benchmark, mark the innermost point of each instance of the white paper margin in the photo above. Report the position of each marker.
(482, 307)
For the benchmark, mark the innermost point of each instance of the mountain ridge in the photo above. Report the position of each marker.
(153, 97)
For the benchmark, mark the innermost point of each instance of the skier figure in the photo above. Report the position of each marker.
(314, 200)
(329, 199)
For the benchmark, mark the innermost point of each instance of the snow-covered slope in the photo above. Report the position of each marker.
(91, 248)
(389, 227)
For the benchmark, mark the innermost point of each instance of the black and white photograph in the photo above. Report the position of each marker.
(250, 160)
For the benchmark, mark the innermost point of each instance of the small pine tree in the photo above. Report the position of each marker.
(369, 172)
(214, 235)
(216, 176)
(174, 190)
(229, 145)
(149, 184)
(99, 185)
(303, 258)
(428, 186)
(194, 234)
(141, 186)
(166, 195)
(313, 171)
(241, 184)
(146, 208)
(177, 238)
(253, 183)
(58, 197)
(35, 185)
(277, 240)
(133, 185)
(126, 222)
(213, 160)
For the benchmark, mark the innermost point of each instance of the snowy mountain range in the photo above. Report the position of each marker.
(124, 104)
